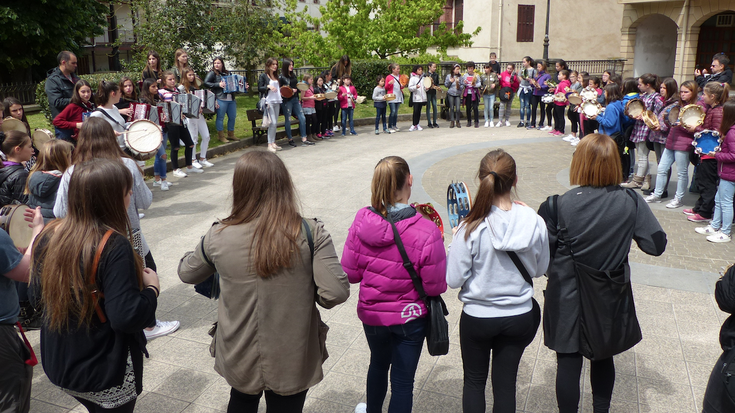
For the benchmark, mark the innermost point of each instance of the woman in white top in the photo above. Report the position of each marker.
(418, 94)
(108, 95)
(197, 126)
(268, 87)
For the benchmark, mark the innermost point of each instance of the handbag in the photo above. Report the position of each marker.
(505, 94)
(608, 324)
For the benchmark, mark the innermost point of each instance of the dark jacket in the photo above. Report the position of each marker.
(59, 90)
(601, 224)
(42, 186)
(434, 78)
(725, 297)
(93, 358)
(212, 82)
(291, 82)
(723, 77)
(12, 184)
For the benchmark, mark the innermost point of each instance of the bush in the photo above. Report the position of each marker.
(94, 80)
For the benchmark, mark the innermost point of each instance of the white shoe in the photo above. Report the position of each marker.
(272, 149)
(486, 124)
(412, 128)
(336, 128)
(396, 128)
(164, 185)
(719, 236)
(156, 183)
(391, 130)
(575, 142)
(499, 124)
(141, 215)
(568, 138)
(361, 408)
(180, 174)
(196, 164)
(706, 230)
(194, 170)
(652, 198)
(205, 163)
(161, 329)
(674, 203)
(546, 128)
(418, 127)
(507, 123)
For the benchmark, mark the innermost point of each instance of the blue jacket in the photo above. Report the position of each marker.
(611, 119)
(628, 122)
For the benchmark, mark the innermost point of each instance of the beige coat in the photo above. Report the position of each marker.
(270, 335)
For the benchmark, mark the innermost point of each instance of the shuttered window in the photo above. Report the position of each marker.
(525, 23)
(458, 11)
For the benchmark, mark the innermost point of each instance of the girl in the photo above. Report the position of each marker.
(371, 258)
(149, 95)
(507, 79)
(181, 63)
(589, 125)
(226, 104)
(526, 90)
(669, 91)
(471, 94)
(292, 105)
(610, 120)
(648, 85)
(332, 104)
(152, 67)
(393, 85)
(309, 106)
(630, 91)
(108, 95)
(197, 126)
(490, 86)
(715, 95)
(572, 114)
(80, 322)
(177, 133)
(380, 105)
(129, 95)
(321, 109)
(262, 253)
(606, 75)
(500, 315)
(43, 181)
(17, 148)
(14, 108)
(76, 111)
(454, 95)
(563, 88)
(268, 87)
(347, 95)
(540, 88)
(418, 93)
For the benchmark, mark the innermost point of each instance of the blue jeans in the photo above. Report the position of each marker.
(722, 218)
(393, 118)
(525, 105)
(489, 107)
(380, 113)
(292, 106)
(159, 165)
(397, 348)
(64, 134)
(228, 108)
(668, 157)
(348, 112)
(431, 103)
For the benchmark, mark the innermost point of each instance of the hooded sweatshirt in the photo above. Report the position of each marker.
(42, 186)
(491, 285)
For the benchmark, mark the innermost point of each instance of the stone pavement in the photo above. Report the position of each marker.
(666, 372)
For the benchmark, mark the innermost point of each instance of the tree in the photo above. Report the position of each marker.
(248, 31)
(32, 31)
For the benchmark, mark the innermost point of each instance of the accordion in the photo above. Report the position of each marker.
(146, 111)
(234, 84)
(170, 113)
(190, 104)
(208, 100)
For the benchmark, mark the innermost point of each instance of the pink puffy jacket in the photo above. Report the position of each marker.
(371, 258)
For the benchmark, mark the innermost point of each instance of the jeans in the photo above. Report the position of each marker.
(292, 106)
(197, 127)
(504, 113)
(431, 103)
(454, 102)
(159, 165)
(273, 110)
(568, 373)
(380, 113)
(63, 134)
(682, 171)
(642, 149)
(489, 107)
(393, 117)
(525, 97)
(397, 348)
(229, 108)
(722, 218)
(472, 108)
(275, 403)
(348, 113)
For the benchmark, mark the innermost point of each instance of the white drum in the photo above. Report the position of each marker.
(143, 138)
(41, 136)
(591, 108)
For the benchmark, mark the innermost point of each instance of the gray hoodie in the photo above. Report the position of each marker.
(491, 285)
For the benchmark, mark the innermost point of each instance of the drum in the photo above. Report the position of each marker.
(588, 94)
(302, 86)
(428, 82)
(15, 224)
(459, 202)
(390, 96)
(319, 96)
(634, 108)
(143, 138)
(429, 212)
(707, 142)
(441, 93)
(591, 108)
(41, 136)
(331, 95)
(691, 116)
(671, 117)
(286, 91)
(11, 123)
(403, 80)
(360, 99)
(650, 119)
(547, 98)
(574, 98)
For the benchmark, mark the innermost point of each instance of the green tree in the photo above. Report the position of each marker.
(247, 31)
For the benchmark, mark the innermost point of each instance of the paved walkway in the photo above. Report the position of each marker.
(666, 372)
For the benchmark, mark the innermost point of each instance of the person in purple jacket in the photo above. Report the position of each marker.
(393, 316)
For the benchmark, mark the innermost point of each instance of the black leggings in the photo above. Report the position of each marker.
(321, 118)
(549, 112)
(178, 133)
(707, 182)
(574, 119)
(335, 112)
(472, 108)
(312, 124)
(590, 126)
(568, 372)
(535, 102)
(559, 118)
(94, 408)
(248, 403)
(506, 338)
(417, 106)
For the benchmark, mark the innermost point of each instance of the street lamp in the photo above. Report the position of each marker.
(546, 37)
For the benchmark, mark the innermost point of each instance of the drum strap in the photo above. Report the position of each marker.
(104, 112)
(96, 293)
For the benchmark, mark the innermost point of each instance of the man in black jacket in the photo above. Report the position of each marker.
(60, 83)
(720, 72)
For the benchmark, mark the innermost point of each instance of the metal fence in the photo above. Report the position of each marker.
(593, 67)
(25, 92)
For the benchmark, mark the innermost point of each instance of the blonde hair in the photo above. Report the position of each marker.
(720, 91)
(596, 162)
(390, 175)
(54, 155)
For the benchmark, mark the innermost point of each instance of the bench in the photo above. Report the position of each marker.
(255, 118)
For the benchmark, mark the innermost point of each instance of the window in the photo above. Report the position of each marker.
(458, 11)
(525, 23)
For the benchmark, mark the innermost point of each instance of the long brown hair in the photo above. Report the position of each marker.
(134, 96)
(497, 176)
(268, 71)
(97, 140)
(693, 87)
(63, 253)
(390, 175)
(262, 191)
(76, 98)
(178, 65)
(596, 162)
(728, 118)
(54, 155)
(672, 89)
(185, 80)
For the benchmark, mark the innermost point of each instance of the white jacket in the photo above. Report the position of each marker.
(417, 88)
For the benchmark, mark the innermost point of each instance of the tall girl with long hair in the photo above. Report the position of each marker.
(95, 309)
(73, 115)
(128, 95)
(648, 85)
(269, 89)
(197, 126)
(181, 63)
(226, 105)
(540, 88)
(292, 105)
(152, 68)
(454, 95)
(372, 259)
(177, 133)
(393, 85)
(499, 314)
(149, 95)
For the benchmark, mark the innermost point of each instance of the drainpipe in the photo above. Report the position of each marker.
(683, 18)
(500, 27)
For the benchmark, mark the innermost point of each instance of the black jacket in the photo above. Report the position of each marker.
(290, 82)
(12, 184)
(59, 90)
(725, 297)
(212, 82)
(723, 77)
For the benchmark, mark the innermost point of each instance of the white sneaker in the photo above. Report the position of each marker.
(652, 198)
(719, 236)
(575, 142)
(546, 128)
(156, 183)
(141, 215)
(161, 329)
(194, 170)
(180, 174)
(412, 128)
(164, 185)
(491, 124)
(196, 164)
(336, 128)
(418, 127)
(272, 149)
(674, 203)
(499, 124)
(706, 230)
(205, 163)
(568, 138)
(361, 408)
(486, 124)
(507, 123)
(391, 130)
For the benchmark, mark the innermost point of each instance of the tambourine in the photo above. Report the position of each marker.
(671, 117)
(429, 212)
(428, 82)
(286, 91)
(591, 108)
(559, 97)
(574, 98)
(14, 223)
(634, 108)
(588, 94)
(547, 98)
(707, 142)
(691, 116)
(11, 123)
(302, 86)
(551, 84)
(359, 99)
(650, 119)
(390, 96)
(41, 136)
(459, 202)
(330, 95)
(319, 96)
(403, 80)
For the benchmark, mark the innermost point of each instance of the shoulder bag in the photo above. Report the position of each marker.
(536, 308)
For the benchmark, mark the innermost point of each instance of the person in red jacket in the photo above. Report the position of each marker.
(560, 102)
(508, 79)
(73, 115)
(347, 95)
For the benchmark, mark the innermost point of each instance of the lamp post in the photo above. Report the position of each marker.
(546, 37)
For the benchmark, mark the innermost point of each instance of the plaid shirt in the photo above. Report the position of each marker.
(641, 132)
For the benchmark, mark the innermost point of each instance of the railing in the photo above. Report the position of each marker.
(25, 92)
(593, 67)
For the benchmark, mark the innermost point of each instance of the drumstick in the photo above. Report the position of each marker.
(134, 131)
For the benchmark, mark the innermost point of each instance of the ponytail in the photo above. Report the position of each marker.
(103, 92)
(720, 91)
(390, 175)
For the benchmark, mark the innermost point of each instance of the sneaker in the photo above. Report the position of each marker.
(418, 127)
(499, 124)
(361, 408)
(141, 215)
(698, 218)
(412, 128)
(575, 142)
(706, 230)
(164, 185)
(568, 138)
(205, 163)
(674, 203)
(540, 127)
(688, 211)
(180, 174)
(272, 149)
(377, 131)
(436, 125)
(161, 329)
(388, 131)
(653, 198)
(520, 125)
(336, 128)
(353, 133)
(307, 143)
(507, 123)
(529, 127)
(547, 128)
(486, 124)
(391, 130)
(396, 128)
(156, 183)
(196, 164)
(430, 126)
(290, 142)
(194, 170)
(719, 236)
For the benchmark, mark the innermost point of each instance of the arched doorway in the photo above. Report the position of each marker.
(655, 46)
(716, 35)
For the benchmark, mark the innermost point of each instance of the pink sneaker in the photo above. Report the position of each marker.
(688, 211)
(698, 218)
